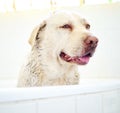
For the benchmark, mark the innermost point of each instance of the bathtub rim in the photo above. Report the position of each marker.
(33, 93)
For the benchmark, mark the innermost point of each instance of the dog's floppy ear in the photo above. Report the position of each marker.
(35, 33)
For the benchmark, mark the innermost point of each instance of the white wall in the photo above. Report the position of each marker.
(15, 29)
(105, 20)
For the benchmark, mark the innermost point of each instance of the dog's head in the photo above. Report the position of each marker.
(66, 37)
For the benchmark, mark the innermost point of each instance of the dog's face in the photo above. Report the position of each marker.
(65, 37)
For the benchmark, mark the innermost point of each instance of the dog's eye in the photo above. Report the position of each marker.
(67, 26)
(87, 26)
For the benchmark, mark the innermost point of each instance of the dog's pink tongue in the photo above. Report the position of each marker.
(84, 59)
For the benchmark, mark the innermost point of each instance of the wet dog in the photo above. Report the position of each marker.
(59, 44)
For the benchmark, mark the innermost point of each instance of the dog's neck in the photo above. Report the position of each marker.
(53, 68)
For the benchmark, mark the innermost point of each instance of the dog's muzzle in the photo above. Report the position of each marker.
(90, 44)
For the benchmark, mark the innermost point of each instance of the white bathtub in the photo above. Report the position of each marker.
(91, 96)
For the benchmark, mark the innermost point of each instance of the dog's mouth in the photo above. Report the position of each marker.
(80, 60)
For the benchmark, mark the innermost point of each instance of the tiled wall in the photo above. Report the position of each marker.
(104, 102)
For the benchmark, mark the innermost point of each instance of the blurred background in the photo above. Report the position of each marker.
(19, 17)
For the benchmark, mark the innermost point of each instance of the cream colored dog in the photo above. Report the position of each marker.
(59, 44)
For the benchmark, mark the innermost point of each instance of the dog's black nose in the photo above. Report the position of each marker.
(91, 41)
